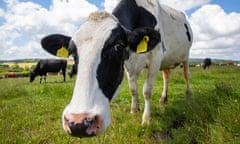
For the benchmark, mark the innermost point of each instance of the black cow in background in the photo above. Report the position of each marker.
(45, 66)
(206, 63)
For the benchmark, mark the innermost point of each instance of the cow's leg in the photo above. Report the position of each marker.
(64, 74)
(132, 82)
(186, 75)
(45, 77)
(40, 79)
(153, 70)
(166, 77)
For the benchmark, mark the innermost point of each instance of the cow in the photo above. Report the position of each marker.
(136, 33)
(176, 37)
(206, 63)
(10, 75)
(48, 65)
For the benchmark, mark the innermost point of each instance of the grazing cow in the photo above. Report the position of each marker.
(142, 29)
(206, 63)
(45, 66)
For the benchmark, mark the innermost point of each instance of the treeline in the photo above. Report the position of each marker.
(14, 70)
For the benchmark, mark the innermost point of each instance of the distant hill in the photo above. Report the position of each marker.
(194, 61)
(19, 61)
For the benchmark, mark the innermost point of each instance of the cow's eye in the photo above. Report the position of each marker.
(118, 47)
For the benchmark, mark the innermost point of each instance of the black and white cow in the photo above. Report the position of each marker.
(48, 65)
(103, 44)
(176, 35)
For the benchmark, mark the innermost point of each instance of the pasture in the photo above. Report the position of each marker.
(31, 112)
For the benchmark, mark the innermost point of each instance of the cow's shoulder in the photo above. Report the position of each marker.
(132, 15)
(174, 14)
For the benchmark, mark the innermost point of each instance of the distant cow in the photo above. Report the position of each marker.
(10, 75)
(230, 63)
(206, 63)
(45, 66)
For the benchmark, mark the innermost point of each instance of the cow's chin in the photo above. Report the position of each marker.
(85, 124)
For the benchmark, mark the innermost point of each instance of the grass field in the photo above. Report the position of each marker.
(31, 112)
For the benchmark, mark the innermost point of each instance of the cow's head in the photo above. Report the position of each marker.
(32, 76)
(101, 45)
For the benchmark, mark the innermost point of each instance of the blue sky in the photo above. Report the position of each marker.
(215, 23)
(228, 5)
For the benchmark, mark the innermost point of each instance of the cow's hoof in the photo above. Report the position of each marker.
(162, 101)
(146, 121)
(135, 110)
(188, 94)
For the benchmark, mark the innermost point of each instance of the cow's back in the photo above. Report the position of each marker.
(177, 38)
(55, 65)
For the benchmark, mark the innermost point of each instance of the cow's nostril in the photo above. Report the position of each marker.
(82, 129)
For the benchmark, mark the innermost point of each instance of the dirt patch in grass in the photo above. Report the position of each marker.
(167, 135)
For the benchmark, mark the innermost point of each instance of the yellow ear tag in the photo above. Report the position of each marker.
(62, 52)
(143, 45)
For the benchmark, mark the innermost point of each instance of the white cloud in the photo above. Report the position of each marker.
(25, 23)
(1, 13)
(216, 33)
(73, 11)
(109, 5)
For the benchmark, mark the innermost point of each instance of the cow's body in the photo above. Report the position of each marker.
(45, 66)
(176, 36)
(101, 46)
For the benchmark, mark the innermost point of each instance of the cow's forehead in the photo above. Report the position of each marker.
(100, 15)
(98, 26)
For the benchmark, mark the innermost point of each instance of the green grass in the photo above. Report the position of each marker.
(31, 112)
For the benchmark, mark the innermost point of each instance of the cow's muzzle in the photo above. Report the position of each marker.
(82, 125)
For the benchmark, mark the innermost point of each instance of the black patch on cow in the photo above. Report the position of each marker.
(188, 33)
(132, 16)
(110, 70)
(73, 51)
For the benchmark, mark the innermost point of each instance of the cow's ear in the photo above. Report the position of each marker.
(143, 39)
(56, 44)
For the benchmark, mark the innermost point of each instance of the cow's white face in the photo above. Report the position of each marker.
(100, 45)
